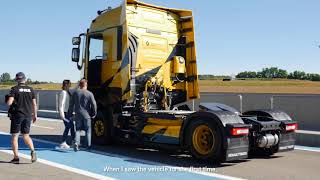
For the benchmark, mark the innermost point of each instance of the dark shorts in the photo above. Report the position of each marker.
(20, 125)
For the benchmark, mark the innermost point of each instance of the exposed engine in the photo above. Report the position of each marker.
(153, 93)
(154, 96)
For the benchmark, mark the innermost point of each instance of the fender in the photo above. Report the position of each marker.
(274, 114)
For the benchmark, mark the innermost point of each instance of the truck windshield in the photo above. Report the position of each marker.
(96, 47)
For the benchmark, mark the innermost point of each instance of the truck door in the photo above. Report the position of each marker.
(96, 56)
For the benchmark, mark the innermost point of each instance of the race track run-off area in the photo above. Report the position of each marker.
(102, 166)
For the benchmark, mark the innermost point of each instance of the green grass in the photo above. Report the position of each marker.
(259, 83)
(49, 86)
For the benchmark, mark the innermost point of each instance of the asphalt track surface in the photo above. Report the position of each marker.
(122, 161)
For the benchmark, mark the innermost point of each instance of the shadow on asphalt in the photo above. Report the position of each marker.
(8, 162)
(143, 155)
(4, 162)
(264, 157)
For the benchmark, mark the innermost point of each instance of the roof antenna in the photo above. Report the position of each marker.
(105, 10)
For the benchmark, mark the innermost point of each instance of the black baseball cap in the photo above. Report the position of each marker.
(20, 77)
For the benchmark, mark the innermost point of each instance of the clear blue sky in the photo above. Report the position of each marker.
(232, 35)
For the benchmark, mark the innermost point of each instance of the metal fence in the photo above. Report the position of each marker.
(303, 108)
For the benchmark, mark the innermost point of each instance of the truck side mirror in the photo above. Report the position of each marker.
(75, 54)
(76, 41)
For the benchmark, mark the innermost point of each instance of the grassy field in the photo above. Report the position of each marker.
(261, 86)
(237, 86)
(50, 86)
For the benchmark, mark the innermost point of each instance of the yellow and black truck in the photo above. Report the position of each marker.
(140, 62)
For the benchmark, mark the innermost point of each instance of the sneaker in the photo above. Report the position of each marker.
(33, 156)
(64, 145)
(15, 160)
(75, 147)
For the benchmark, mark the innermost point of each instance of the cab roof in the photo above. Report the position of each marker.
(137, 2)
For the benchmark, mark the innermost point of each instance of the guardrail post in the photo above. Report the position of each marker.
(192, 104)
(57, 102)
(38, 100)
(240, 98)
(271, 103)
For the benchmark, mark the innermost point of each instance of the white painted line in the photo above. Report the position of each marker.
(4, 133)
(64, 167)
(44, 127)
(308, 132)
(39, 118)
(45, 110)
(306, 148)
(50, 119)
(4, 114)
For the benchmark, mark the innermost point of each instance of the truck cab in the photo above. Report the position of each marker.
(141, 55)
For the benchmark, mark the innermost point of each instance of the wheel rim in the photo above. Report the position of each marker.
(203, 140)
(99, 128)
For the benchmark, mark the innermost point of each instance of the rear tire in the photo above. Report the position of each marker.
(204, 140)
(102, 127)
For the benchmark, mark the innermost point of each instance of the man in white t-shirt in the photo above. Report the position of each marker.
(64, 98)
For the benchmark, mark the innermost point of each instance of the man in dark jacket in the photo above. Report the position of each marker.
(85, 108)
(23, 110)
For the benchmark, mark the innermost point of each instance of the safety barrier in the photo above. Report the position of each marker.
(303, 108)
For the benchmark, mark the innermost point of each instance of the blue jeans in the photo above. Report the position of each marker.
(83, 124)
(68, 126)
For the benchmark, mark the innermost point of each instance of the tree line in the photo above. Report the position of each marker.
(5, 78)
(274, 72)
(211, 77)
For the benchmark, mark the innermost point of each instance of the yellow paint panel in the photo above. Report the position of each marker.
(154, 49)
(153, 16)
(165, 122)
(173, 131)
(107, 20)
(151, 129)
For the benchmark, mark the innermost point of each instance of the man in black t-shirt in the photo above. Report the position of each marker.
(22, 102)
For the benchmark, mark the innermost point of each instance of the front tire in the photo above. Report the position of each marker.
(204, 140)
(102, 127)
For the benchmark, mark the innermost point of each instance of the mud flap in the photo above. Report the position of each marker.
(237, 146)
(287, 138)
(287, 142)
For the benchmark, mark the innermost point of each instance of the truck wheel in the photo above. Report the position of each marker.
(103, 127)
(204, 140)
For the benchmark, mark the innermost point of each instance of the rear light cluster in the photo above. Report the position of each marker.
(291, 127)
(239, 131)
